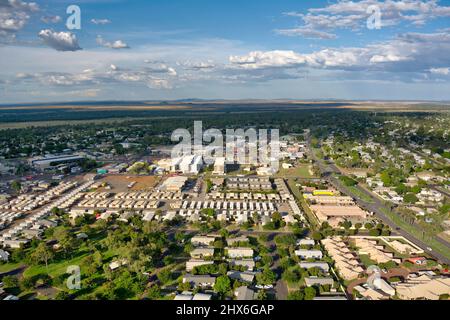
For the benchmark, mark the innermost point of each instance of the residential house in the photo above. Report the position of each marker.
(244, 293)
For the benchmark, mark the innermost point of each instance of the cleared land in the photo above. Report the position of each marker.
(119, 183)
(303, 171)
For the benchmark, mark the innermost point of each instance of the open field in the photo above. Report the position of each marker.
(119, 183)
(302, 171)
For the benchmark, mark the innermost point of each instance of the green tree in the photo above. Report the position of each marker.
(154, 292)
(222, 285)
(164, 276)
(10, 282)
(42, 254)
(266, 277)
(296, 295)
(16, 185)
(62, 295)
(262, 295)
(223, 268)
(291, 276)
(317, 236)
(26, 283)
(310, 293)
(410, 198)
(368, 225)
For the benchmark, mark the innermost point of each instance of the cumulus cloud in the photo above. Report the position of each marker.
(51, 19)
(411, 52)
(440, 71)
(100, 21)
(60, 41)
(353, 15)
(268, 59)
(14, 14)
(160, 68)
(152, 78)
(118, 44)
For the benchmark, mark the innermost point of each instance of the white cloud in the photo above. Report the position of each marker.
(60, 41)
(100, 21)
(385, 58)
(51, 19)
(118, 44)
(440, 71)
(352, 15)
(268, 59)
(14, 14)
(198, 65)
(160, 68)
(159, 84)
(411, 52)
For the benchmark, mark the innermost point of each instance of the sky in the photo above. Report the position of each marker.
(205, 49)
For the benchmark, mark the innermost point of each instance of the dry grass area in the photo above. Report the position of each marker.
(303, 171)
(119, 183)
(396, 107)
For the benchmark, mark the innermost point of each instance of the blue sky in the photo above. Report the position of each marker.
(231, 49)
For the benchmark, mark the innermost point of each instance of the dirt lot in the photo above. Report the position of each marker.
(119, 183)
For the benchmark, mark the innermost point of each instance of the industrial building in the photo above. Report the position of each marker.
(51, 161)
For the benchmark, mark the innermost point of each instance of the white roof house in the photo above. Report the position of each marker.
(312, 281)
(192, 263)
(321, 265)
(308, 254)
(202, 240)
(239, 252)
(244, 293)
(202, 252)
(199, 280)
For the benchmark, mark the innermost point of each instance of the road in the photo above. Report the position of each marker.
(328, 169)
(280, 289)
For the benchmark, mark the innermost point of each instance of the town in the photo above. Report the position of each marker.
(352, 213)
(225, 159)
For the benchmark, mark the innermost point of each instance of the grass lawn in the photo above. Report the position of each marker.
(360, 194)
(54, 269)
(366, 260)
(7, 267)
(301, 171)
(304, 171)
(311, 217)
